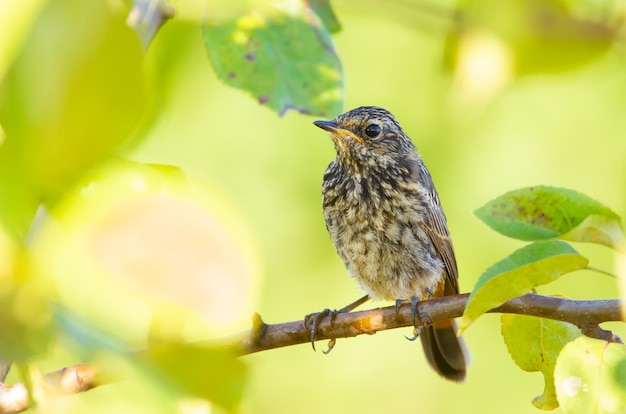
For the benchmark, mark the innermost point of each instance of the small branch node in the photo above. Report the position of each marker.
(259, 328)
(595, 331)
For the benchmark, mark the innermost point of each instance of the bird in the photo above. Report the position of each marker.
(386, 222)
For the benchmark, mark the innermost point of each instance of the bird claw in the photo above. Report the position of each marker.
(414, 302)
(314, 319)
(423, 317)
(399, 302)
(416, 334)
(331, 345)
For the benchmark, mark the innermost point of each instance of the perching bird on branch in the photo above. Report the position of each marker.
(386, 222)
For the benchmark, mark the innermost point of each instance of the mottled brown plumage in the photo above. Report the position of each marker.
(386, 222)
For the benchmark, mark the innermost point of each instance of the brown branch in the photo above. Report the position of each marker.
(5, 366)
(146, 18)
(586, 314)
(71, 380)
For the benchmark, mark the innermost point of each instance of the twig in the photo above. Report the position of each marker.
(5, 366)
(586, 314)
(71, 380)
(146, 18)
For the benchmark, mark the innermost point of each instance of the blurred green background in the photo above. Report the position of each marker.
(561, 128)
(564, 130)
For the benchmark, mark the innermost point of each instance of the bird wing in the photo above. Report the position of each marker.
(435, 226)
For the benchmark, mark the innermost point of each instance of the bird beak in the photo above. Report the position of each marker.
(329, 126)
(336, 132)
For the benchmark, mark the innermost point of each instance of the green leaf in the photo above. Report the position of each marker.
(69, 101)
(284, 59)
(325, 12)
(540, 213)
(598, 229)
(534, 345)
(517, 274)
(590, 377)
(211, 373)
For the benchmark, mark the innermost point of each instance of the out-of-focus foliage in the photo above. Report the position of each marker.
(68, 101)
(120, 255)
(539, 36)
(495, 42)
(16, 18)
(135, 229)
(138, 255)
(27, 324)
(201, 371)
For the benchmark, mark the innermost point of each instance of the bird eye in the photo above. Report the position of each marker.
(372, 130)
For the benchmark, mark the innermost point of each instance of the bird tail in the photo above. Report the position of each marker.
(446, 353)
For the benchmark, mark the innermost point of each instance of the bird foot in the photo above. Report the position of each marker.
(313, 321)
(399, 302)
(418, 315)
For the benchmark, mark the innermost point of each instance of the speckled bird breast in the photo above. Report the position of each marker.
(375, 220)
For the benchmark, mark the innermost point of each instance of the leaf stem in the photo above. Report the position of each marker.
(604, 272)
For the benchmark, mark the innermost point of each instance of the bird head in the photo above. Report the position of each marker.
(367, 136)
